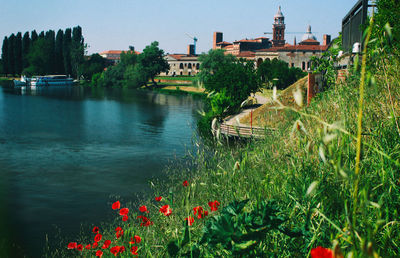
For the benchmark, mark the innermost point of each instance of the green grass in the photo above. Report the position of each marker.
(176, 78)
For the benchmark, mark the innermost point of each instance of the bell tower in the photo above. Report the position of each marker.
(278, 29)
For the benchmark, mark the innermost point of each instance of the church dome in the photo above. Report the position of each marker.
(308, 35)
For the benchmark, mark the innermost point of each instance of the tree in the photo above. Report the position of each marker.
(18, 53)
(231, 80)
(26, 42)
(152, 61)
(67, 50)
(388, 13)
(10, 56)
(58, 53)
(92, 65)
(38, 57)
(4, 56)
(50, 54)
(34, 36)
(269, 71)
(77, 50)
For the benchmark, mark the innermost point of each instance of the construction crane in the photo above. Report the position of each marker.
(194, 41)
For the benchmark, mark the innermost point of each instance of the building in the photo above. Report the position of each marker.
(114, 56)
(259, 49)
(182, 64)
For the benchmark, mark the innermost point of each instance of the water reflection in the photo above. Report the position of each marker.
(63, 151)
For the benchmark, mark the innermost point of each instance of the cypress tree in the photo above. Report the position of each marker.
(26, 42)
(59, 58)
(77, 50)
(34, 36)
(10, 56)
(67, 51)
(4, 56)
(50, 42)
(41, 35)
(18, 53)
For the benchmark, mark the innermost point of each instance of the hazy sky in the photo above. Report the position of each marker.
(116, 24)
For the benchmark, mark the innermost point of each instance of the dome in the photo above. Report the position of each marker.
(308, 35)
(279, 13)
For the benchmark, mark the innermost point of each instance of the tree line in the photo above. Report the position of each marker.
(43, 53)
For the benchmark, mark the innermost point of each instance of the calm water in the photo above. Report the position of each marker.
(64, 151)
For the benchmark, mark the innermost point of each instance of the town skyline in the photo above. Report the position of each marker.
(117, 25)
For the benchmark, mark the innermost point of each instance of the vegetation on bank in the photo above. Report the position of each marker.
(327, 178)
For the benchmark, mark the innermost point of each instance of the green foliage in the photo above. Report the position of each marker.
(278, 73)
(92, 65)
(388, 14)
(230, 81)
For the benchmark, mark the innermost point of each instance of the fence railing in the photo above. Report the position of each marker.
(243, 131)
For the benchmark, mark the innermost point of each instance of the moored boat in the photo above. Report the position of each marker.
(21, 83)
(52, 80)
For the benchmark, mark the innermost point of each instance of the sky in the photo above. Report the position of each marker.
(118, 24)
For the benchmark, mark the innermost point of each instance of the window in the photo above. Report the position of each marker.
(180, 66)
(197, 66)
(303, 65)
(190, 66)
(292, 65)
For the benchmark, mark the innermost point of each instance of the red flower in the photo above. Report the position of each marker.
(320, 252)
(145, 221)
(118, 229)
(166, 210)
(79, 247)
(158, 199)
(115, 250)
(123, 211)
(134, 250)
(106, 244)
(116, 205)
(125, 218)
(99, 253)
(98, 237)
(95, 245)
(138, 239)
(122, 249)
(143, 209)
(88, 247)
(190, 220)
(185, 183)
(119, 233)
(72, 245)
(96, 230)
(199, 211)
(205, 213)
(214, 205)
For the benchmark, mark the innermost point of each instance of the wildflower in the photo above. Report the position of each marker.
(214, 205)
(145, 221)
(134, 250)
(190, 220)
(125, 218)
(122, 249)
(118, 229)
(72, 245)
(166, 210)
(115, 250)
(143, 209)
(320, 252)
(158, 199)
(200, 212)
(79, 247)
(98, 237)
(99, 253)
(116, 205)
(106, 244)
(95, 245)
(96, 230)
(185, 183)
(138, 239)
(123, 211)
(119, 233)
(88, 247)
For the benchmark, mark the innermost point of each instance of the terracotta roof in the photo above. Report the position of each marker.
(246, 54)
(295, 48)
(224, 43)
(247, 40)
(184, 57)
(309, 42)
(116, 52)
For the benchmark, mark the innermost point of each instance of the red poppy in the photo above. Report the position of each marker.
(88, 247)
(214, 205)
(166, 210)
(79, 247)
(158, 199)
(138, 239)
(320, 252)
(72, 245)
(122, 249)
(116, 205)
(98, 237)
(99, 253)
(118, 229)
(132, 241)
(134, 250)
(95, 245)
(145, 221)
(185, 183)
(106, 244)
(114, 250)
(205, 213)
(125, 218)
(199, 211)
(119, 234)
(190, 220)
(123, 211)
(143, 209)
(96, 230)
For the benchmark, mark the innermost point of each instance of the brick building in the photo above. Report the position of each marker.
(182, 64)
(114, 56)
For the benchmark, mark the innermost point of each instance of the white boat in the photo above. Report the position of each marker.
(21, 83)
(51, 80)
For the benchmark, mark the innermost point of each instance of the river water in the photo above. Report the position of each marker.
(65, 151)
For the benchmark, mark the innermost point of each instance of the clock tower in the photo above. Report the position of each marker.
(278, 29)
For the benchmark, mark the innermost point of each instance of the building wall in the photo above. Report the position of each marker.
(300, 59)
(182, 67)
